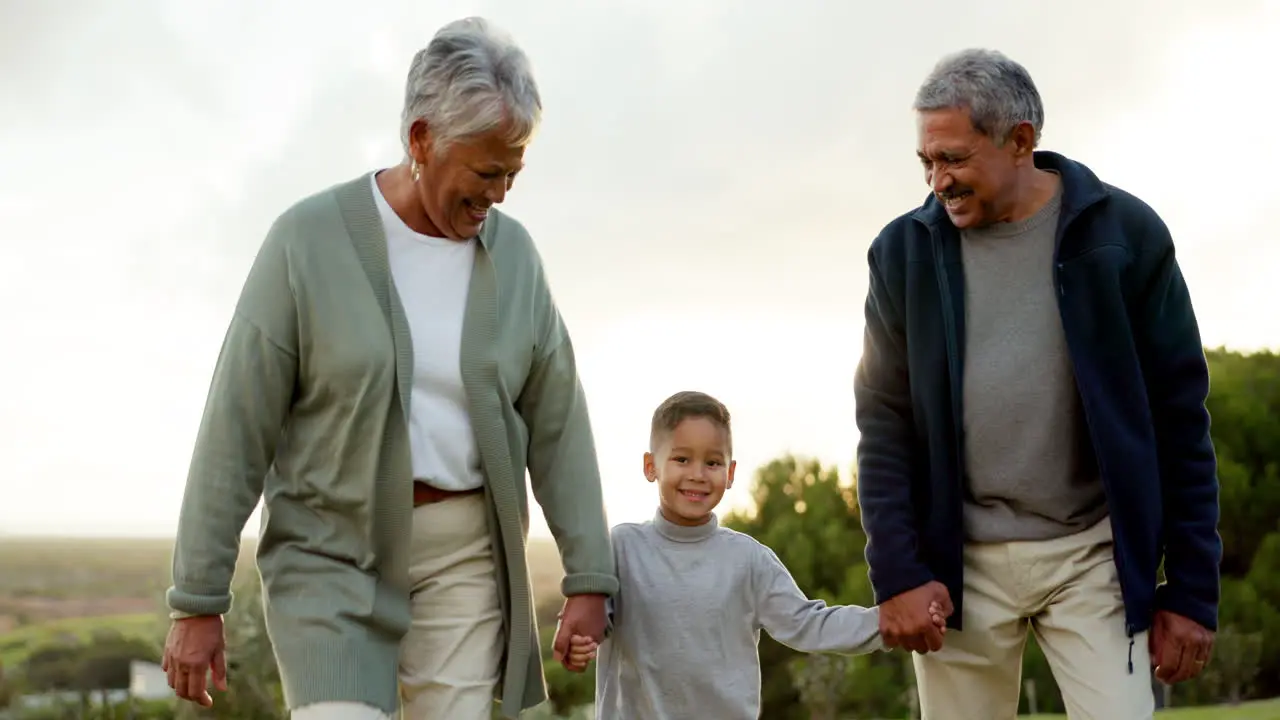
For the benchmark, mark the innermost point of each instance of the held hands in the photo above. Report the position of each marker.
(1180, 647)
(194, 647)
(916, 619)
(583, 616)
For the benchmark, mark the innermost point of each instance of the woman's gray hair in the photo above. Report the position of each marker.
(470, 79)
(997, 91)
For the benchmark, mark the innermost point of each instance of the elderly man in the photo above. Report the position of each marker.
(1034, 439)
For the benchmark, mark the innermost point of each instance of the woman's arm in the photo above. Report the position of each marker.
(563, 468)
(245, 412)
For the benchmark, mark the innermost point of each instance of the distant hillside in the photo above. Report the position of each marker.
(45, 579)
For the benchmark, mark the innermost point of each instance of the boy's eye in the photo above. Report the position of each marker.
(679, 459)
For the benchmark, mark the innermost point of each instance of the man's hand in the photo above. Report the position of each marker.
(1180, 647)
(583, 615)
(194, 647)
(909, 620)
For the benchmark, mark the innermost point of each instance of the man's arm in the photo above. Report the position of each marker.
(248, 400)
(1177, 382)
(884, 417)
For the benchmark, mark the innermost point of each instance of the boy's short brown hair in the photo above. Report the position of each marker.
(682, 406)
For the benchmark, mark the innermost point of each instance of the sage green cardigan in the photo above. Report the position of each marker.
(307, 410)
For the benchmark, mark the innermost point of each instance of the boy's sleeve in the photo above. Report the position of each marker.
(808, 625)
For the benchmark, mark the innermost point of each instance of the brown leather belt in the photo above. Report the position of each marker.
(424, 494)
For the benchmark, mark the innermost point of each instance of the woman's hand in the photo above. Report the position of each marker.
(194, 647)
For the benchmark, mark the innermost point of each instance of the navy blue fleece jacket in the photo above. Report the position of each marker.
(1140, 367)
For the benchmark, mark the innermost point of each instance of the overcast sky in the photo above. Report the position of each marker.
(704, 189)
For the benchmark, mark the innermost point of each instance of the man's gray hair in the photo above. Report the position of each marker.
(470, 79)
(997, 91)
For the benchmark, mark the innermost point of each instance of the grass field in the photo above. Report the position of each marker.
(1263, 710)
(74, 571)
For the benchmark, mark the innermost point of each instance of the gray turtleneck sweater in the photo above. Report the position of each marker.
(687, 620)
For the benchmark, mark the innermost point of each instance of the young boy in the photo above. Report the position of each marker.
(694, 596)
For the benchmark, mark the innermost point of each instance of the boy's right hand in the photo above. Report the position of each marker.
(582, 650)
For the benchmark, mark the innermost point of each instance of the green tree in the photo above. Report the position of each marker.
(1264, 572)
(1238, 657)
(105, 662)
(8, 690)
(1244, 403)
(820, 681)
(51, 668)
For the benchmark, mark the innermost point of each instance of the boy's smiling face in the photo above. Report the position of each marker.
(692, 466)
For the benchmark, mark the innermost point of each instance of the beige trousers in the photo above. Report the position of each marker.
(1067, 592)
(449, 658)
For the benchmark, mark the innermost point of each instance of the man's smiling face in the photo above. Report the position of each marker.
(972, 176)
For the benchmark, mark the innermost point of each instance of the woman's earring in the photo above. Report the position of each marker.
(414, 172)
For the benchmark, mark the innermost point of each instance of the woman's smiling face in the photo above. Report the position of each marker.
(457, 187)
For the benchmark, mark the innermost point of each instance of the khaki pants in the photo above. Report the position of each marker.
(449, 658)
(1068, 593)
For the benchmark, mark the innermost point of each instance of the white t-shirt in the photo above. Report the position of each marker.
(432, 277)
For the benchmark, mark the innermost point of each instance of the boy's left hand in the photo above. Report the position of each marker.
(582, 650)
(939, 619)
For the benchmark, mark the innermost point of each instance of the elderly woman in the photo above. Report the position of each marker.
(394, 364)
